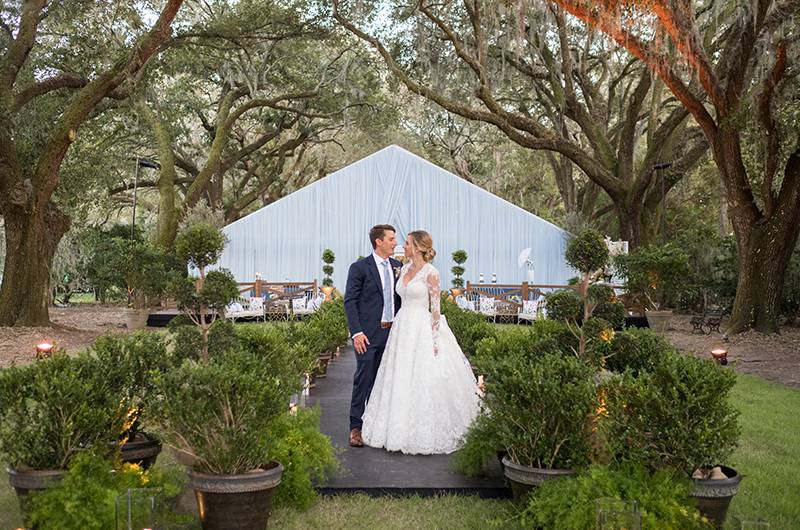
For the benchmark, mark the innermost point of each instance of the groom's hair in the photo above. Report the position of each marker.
(377, 232)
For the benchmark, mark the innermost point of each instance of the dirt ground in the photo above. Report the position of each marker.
(773, 357)
(76, 328)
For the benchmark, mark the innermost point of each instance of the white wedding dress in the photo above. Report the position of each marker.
(422, 402)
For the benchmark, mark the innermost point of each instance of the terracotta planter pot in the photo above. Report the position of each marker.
(143, 449)
(236, 502)
(658, 320)
(136, 318)
(28, 480)
(327, 291)
(523, 478)
(714, 496)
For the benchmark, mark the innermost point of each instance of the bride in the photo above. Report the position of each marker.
(425, 396)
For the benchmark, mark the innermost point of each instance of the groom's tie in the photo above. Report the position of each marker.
(387, 292)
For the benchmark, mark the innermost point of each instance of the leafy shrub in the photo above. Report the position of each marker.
(306, 454)
(330, 324)
(612, 312)
(663, 499)
(637, 350)
(54, 408)
(220, 411)
(200, 245)
(468, 327)
(528, 343)
(587, 252)
(286, 357)
(127, 363)
(100, 268)
(86, 498)
(678, 414)
(540, 407)
(478, 447)
(187, 340)
(654, 274)
(564, 304)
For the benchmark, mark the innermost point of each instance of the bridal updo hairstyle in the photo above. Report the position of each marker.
(424, 243)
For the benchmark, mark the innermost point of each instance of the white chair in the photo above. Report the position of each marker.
(256, 303)
(529, 310)
(488, 307)
(463, 303)
(243, 308)
(301, 306)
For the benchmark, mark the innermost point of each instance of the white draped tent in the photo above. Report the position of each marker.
(284, 240)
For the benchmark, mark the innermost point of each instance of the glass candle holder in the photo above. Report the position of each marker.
(136, 509)
(617, 514)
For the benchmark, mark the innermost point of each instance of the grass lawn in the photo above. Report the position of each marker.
(769, 454)
(769, 459)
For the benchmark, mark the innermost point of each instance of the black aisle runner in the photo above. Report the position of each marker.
(379, 472)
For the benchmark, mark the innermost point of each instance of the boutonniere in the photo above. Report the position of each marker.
(396, 272)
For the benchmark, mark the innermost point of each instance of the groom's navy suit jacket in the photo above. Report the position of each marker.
(363, 297)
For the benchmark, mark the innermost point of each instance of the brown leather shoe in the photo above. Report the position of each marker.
(355, 438)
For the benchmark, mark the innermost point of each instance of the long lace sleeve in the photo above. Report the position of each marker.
(434, 296)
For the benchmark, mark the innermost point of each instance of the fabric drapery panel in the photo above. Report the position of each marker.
(285, 239)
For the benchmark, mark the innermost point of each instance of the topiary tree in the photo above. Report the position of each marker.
(328, 257)
(588, 254)
(459, 256)
(199, 246)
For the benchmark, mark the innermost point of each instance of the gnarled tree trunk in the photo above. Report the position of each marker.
(765, 249)
(31, 242)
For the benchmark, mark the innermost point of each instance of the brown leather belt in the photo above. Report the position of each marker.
(386, 325)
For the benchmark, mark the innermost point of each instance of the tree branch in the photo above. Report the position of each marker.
(607, 22)
(19, 48)
(771, 136)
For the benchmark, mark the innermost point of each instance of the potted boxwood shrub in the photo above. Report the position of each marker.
(140, 270)
(539, 408)
(220, 414)
(677, 414)
(50, 411)
(653, 275)
(128, 362)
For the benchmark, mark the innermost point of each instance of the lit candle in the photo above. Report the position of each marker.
(43, 349)
(720, 355)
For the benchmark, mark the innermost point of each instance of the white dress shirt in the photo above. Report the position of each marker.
(379, 262)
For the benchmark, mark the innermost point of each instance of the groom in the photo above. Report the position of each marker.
(370, 302)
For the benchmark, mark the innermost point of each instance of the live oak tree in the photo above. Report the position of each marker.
(238, 106)
(548, 85)
(747, 76)
(59, 62)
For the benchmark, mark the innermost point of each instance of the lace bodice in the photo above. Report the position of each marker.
(422, 293)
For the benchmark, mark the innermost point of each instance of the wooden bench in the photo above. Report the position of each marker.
(709, 320)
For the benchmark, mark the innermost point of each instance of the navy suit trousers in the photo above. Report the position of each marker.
(366, 371)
